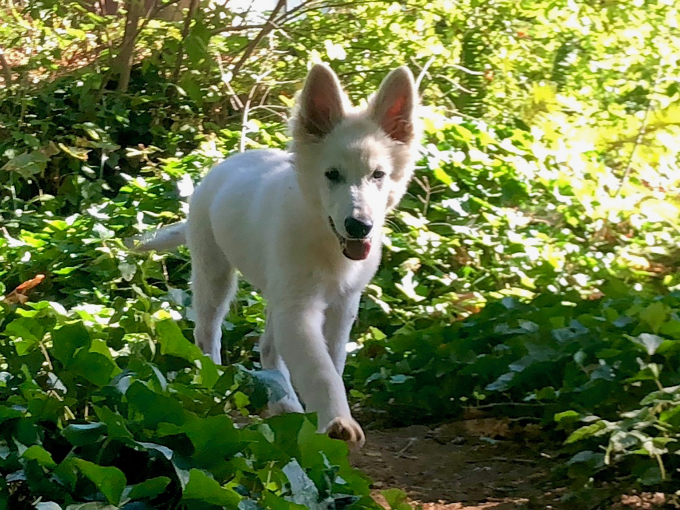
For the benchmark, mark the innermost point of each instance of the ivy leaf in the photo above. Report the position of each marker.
(149, 488)
(652, 476)
(40, 455)
(82, 434)
(585, 432)
(174, 343)
(655, 315)
(27, 333)
(94, 367)
(67, 340)
(214, 438)
(671, 416)
(7, 413)
(502, 383)
(154, 407)
(589, 457)
(274, 502)
(273, 381)
(94, 505)
(408, 287)
(650, 342)
(115, 424)
(304, 491)
(27, 164)
(109, 480)
(567, 418)
(202, 487)
(396, 498)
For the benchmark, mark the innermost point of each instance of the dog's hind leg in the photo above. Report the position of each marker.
(213, 285)
(271, 360)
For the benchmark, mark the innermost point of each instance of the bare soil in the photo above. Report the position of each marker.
(450, 468)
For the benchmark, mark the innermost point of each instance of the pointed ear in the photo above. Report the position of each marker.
(393, 108)
(321, 104)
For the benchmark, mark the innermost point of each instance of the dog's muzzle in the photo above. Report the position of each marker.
(353, 249)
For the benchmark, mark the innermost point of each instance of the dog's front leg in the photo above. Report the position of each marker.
(337, 327)
(300, 342)
(271, 360)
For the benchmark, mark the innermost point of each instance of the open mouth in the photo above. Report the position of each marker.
(353, 249)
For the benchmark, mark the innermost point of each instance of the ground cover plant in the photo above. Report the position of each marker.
(531, 272)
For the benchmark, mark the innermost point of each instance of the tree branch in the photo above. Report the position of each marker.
(286, 15)
(302, 8)
(268, 27)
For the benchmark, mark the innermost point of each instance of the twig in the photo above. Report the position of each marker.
(246, 111)
(223, 74)
(425, 186)
(411, 442)
(375, 70)
(505, 404)
(236, 28)
(157, 8)
(253, 44)
(272, 109)
(47, 356)
(641, 133)
(514, 459)
(244, 121)
(265, 95)
(423, 70)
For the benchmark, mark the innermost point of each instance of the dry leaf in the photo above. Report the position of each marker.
(20, 294)
(479, 427)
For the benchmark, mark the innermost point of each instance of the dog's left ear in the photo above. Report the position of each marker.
(393, 108)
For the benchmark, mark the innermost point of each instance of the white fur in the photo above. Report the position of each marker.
(266, 214)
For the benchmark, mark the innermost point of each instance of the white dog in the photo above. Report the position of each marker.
(305, 228)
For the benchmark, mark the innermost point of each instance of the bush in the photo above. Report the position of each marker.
(94, 410)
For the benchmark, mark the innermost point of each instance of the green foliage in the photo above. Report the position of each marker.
(92, 413)
(555, 358)
(532, 268)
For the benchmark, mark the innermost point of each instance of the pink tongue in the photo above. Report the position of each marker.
(357, 249)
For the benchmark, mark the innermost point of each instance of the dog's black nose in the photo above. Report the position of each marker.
(358, 229)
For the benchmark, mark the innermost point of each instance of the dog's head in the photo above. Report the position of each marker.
(355, 165)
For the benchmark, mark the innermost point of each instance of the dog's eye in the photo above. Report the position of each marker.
(333, 175)
(378, 174)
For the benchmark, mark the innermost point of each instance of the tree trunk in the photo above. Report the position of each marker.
(193, 5)
(6, 68)
(123, 63)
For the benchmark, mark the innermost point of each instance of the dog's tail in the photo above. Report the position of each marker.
(164, 238)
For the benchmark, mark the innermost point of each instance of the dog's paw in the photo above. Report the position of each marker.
(348, 430)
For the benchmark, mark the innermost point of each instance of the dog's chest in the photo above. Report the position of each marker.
(347, 277)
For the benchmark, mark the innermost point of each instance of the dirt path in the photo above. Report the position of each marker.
(441, 470)
(456, 467)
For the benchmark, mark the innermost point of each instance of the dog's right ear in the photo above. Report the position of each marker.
(321, 105)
